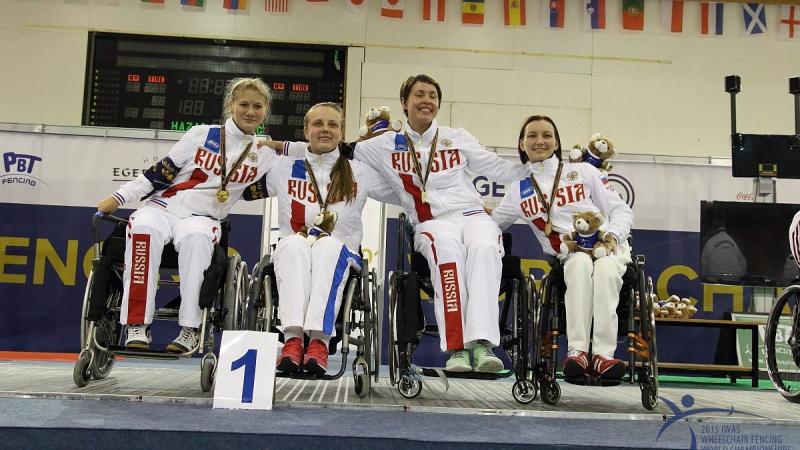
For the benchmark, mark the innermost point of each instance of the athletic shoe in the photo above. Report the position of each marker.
(291, 356)
(575, 364)
(188, 339)
(316, 360)
(138, 337)
(608, 368)
(458, 362)
(485, 359)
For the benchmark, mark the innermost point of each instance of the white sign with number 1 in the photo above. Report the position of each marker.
(246, 371)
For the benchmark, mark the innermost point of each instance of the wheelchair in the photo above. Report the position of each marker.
(636, 322)
(407, 322)
(222, 295)
(782, 344)
(358, 312)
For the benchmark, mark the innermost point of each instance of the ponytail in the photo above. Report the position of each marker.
(342, 182)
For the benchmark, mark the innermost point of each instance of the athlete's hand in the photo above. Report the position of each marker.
(108, 205)
(275, 145)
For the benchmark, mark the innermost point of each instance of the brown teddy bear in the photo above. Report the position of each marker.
(378, 121)
(324, 222)
(674, 308)
(600, 150)
(587, 237)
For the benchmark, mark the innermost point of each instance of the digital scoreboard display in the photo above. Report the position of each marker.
(165, 83)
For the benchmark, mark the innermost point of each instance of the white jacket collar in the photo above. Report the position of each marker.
(325, 160)
(233, 130)
(426, 137)
(547, 166)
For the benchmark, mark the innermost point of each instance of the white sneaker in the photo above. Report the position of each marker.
(138, 337)
(485, 359)
(188, 339)
(458, 362)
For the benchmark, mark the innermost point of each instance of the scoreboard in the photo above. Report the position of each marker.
(135, 81)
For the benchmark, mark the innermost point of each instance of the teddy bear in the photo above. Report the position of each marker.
(599, 151)
(674, 307)
(587, 237)
(378, 121)
(324, 222)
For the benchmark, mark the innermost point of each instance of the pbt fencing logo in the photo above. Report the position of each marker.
(19, 169)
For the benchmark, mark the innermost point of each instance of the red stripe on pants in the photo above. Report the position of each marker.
(423, 209)
(433, 246)
(451, 302)
(140, 267)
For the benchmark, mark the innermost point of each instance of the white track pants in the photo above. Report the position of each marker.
(149, 229)
(593, 293)
(464, 254)
(311, 281)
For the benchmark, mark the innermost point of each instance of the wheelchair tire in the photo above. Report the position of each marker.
(82, 372)
(409, 387)
(524, 391)
(361, 377)
(232, 292)
(85, 310)
(785, 379)
(649, 398)
(208, 368)
(648, 378)
(375, 357)
(551, 393)
(394, 363)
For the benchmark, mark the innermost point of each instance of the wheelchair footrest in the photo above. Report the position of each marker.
(469, 375)
(146, 354)
(592, 381)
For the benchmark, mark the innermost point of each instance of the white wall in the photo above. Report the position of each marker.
(653, 92)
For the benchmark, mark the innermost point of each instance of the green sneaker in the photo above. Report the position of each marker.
(458, 362)
(485, 360)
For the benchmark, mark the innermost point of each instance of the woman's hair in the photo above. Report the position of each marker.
(342, 186)
(405, 89)
(524, 156)
(238, 85)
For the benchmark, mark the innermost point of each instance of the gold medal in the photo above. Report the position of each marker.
(548, 228)
(222, 196)
(424, 196)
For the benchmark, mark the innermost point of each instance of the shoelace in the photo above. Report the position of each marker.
(484, 350)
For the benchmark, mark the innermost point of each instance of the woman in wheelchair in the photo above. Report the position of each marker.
(320, 200)
(546, 199)
(187, 193)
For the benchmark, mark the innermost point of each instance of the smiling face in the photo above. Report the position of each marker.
(539, 140)
(249, 110)
(421, 105)
(323, 129)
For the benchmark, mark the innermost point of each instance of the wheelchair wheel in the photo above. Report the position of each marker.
(208, 368)
(361, 377)
(649, 398)
(234, 292)
(394, 369)
(524, 391)
(376, 325)
(648, 377)
(409, 387)
(784, 338)
(85, 310)
(82, 372)
(551, 392)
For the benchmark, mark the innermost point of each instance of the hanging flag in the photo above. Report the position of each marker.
(153, 1)
(755, 21)
(514, 12)
(193, 2)
(317, 1)
(672, 14)
(433, 10)
(234, 4)
(392, 9)
(711, 14)
(596, 14)
(356, 6)
(472, 12)
(789, 19)
(554, 11)
(633, 15)
(276, 6)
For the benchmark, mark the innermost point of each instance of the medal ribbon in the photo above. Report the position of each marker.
(417, 166)
(323, 205)
(226, 178)
(548, 206)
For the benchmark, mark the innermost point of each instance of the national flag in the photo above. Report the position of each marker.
(472, 12)
(554, 11)
(433, 10)
(711, 15)
(789, 20)
(392, 9)
(514, 12)
(153, 1)
(234, 4)
(672, 14)
(633, 14)
(276, 6)
(596, 14)
(356, 6)
(755, 21)
(193, 2)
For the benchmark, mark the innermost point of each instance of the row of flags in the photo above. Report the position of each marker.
(514, 13)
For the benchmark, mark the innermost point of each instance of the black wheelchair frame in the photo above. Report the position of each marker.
(407, 322)
(221, 298)
(358, 312)
(636, 321)
(785, 379)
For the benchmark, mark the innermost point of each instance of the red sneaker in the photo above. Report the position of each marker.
(575, 364)
(316, 360)
(291, 356)
(608, 368)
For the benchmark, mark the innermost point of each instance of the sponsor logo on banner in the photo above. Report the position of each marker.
(125, 173)
(623, 188)
(21, 169)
